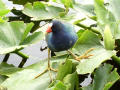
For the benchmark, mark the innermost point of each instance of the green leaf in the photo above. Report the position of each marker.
(71, 80)
(42, 11)
(115, 8)
(58, 86)
(67, 3)
(87, 8)
(90, 40)
(2, 78)
(54, 62)
(64, 69)
(109, 42)
(3, 9)
(80, 32)
(106, 17)
(24, 79)
(12, 33)
(34, 38)
(6, 69)
(26, 32)
(104, 78)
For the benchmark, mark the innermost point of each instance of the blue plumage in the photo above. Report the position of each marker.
(62, 37)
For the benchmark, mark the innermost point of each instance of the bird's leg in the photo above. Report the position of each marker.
(49, 68)
(84, 56)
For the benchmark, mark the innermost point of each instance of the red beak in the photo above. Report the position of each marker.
(49, 29)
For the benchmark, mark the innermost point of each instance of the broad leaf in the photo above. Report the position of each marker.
(90, 40)
(25, 79)
(87, 8)
(14, 35)
(42, 11)
(26, 32)
(6, 69)
(2, 78)
(58, 85)
(115, 8)
(71, 81)
(104, 78)
(106, 17)
(64, 69)
(3, 9)
(67, 3)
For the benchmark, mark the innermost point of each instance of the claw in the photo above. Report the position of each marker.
(41, 73)
(48, 68)
(84, 56)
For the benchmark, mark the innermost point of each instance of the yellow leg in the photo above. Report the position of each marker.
(84, 56)
(48, 68)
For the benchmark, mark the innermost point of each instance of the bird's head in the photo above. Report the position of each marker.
(55, 26)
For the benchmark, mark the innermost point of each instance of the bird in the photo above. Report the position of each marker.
(61, 36)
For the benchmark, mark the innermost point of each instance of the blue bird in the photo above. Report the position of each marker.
(61, 36)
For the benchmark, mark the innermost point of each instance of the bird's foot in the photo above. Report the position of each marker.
(85, 55)
(47, 69)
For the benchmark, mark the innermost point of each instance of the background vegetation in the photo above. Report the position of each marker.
(22, 30)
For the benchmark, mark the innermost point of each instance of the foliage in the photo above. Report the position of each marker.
(42, 11)
(13, 37)
(103, 81)
(23, 29)
(3, 9)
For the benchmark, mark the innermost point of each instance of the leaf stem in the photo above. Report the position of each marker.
(24, 56)
(116, 59)
(22, 62)
(89, 28)
(6, 57)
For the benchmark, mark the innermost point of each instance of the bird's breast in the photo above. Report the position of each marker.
(61, 41)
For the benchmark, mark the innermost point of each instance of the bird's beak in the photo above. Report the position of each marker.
(49, 28)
